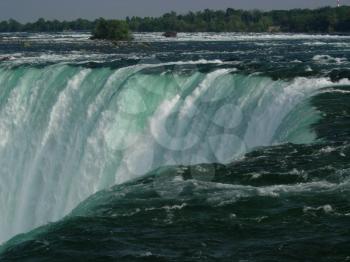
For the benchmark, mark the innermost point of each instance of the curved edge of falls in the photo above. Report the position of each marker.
(67, 132)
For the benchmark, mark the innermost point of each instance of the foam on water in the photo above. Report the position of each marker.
(72, 37)
(68, 131)
(327, 59)
(205, 36)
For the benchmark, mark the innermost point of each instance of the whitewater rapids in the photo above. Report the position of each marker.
(67, 132)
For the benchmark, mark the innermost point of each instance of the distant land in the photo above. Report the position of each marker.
(322, 20)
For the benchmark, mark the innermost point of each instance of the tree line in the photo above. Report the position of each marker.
(322, 20)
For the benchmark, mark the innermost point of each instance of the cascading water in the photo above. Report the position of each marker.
(78, 118)
(67, 131)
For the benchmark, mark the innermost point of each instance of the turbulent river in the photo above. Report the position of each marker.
(207, 147)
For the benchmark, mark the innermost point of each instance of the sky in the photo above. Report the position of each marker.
(31, 10)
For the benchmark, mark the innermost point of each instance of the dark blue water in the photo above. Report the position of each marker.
(227, 147)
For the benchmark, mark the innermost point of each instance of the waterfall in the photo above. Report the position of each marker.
(68, 131)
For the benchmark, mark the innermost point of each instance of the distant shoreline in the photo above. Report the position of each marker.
(184, 32)
(326, 20)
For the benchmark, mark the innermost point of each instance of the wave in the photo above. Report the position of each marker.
(327, 59)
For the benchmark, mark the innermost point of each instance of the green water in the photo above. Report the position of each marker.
(175, 160)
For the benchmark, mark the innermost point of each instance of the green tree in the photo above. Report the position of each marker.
(14, 26)
(322, 20)
(111, 30)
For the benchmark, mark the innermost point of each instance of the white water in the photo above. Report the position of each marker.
(67, 132)
(72, 37)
